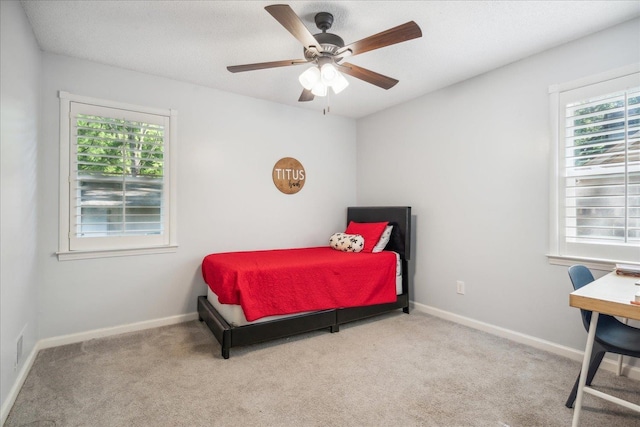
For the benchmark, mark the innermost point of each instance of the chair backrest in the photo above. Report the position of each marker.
(580, 276)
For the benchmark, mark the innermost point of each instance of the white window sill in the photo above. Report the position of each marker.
(591, 263)
(73, 255)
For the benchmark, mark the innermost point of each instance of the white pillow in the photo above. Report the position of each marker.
(384, 239)
(347, 242)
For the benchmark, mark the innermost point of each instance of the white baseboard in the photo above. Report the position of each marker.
(79, 337)
(116, 330)
(571, 353)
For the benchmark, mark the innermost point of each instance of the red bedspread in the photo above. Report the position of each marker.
(287, 281)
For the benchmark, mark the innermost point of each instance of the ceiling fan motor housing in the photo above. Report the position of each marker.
(329, 43)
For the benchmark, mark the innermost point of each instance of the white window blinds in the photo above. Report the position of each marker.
(602, 169)
(118, 180)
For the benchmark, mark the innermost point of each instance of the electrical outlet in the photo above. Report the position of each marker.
(460, 287)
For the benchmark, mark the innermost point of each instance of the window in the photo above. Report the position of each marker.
(598, 171)
(117, 186)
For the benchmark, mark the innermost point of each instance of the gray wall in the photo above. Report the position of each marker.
(20, 68)
(473, 160)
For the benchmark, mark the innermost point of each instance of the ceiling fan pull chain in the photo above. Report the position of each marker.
(328, 109)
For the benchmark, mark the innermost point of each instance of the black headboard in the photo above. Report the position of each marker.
(398, 216)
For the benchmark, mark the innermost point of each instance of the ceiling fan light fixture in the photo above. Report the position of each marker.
(309, 78)
(329, 74)
(331, 77)
(319, 89)
(339, 84)
(318, 79)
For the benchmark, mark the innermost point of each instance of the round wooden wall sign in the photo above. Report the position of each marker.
(288, 175)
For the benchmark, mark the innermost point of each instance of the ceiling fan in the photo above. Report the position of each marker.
(325, 51)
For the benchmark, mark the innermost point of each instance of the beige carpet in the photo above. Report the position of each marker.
(396, 369)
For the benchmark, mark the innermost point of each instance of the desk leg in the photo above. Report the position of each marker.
(585, 367)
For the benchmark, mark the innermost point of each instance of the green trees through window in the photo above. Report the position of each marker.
(598, 127)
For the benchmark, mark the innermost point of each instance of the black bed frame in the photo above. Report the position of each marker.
(233, 336)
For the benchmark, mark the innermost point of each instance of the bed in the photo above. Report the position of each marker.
(234, 325)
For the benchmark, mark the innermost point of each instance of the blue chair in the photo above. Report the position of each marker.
(612, 335)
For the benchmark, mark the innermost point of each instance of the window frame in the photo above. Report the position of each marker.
(114, 246)
(594, 255)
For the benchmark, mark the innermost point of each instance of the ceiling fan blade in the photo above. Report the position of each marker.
(399, 34)
(368, 76)
(289, 20)
(306, 95)
(263, 65)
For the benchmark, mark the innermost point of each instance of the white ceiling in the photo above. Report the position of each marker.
(194, 41)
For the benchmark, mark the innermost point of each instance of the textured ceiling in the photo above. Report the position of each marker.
(194, 41)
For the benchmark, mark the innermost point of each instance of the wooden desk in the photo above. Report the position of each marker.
(608, 295)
